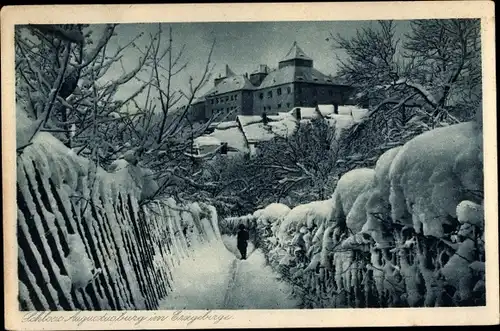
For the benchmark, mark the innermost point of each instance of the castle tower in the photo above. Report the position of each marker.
(296, 57)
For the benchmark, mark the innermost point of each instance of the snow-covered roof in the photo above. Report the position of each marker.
(305, 112)
(359, 114)
(232, 136)
(223, 125)
(290, 74)
(249, 119)
(345, 110)
(340, 121)
(326, 110)
(284, 126)
(258, 132)
(231, 84)
(248, 130)
(207, 141)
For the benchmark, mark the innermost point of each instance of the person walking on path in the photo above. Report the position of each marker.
(242, 241)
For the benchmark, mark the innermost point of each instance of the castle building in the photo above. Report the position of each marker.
(296, 83)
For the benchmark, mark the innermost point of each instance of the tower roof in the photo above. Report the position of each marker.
(296, 53)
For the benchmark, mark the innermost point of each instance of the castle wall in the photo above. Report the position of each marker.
(271, 100)
(223, 105)
(274, 99)
(310, 95)
(247, 104)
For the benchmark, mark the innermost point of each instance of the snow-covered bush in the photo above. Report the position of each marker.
(432, 174)
(349, 187)
(408, 233)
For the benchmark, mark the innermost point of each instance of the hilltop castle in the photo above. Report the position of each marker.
(296, 83)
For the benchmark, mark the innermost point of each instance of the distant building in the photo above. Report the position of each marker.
(296, 83)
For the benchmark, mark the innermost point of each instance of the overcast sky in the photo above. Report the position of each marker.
(244, 45)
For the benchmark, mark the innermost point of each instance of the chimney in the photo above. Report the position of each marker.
(257, 77)
(217, 80)
(298, 115)
(265, 119)
(223, 149)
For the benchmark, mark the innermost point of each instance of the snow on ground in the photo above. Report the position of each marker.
(199, 282)
(255, 286)
(214, 278)
(230, 244)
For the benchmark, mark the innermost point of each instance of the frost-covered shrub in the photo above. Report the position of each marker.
(377, 207)
(366, 249)
(425, 184)
(349, 187)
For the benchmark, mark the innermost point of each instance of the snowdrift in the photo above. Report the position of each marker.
(408, 233)
(84, 240)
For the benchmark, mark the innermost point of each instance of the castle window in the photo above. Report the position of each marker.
(288, 105)
(279, 105)
(212, 101)
(227, 99)
(279, 90)
(330, 92)
(269, 94)
(261, 95)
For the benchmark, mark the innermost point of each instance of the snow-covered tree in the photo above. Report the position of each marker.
(428, 78)
(437, 66)
(72, 82)
(301, 166)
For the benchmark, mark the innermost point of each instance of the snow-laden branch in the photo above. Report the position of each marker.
(420, 89)
(103, 41)
(57, 83)
(69, 35)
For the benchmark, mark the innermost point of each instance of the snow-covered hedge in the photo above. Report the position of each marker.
(84, 240)
(409, 232)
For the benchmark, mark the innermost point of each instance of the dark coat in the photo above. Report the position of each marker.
(242, 237)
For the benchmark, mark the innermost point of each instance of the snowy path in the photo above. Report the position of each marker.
(213, 278)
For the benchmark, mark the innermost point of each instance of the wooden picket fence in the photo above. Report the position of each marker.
(103, 252)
